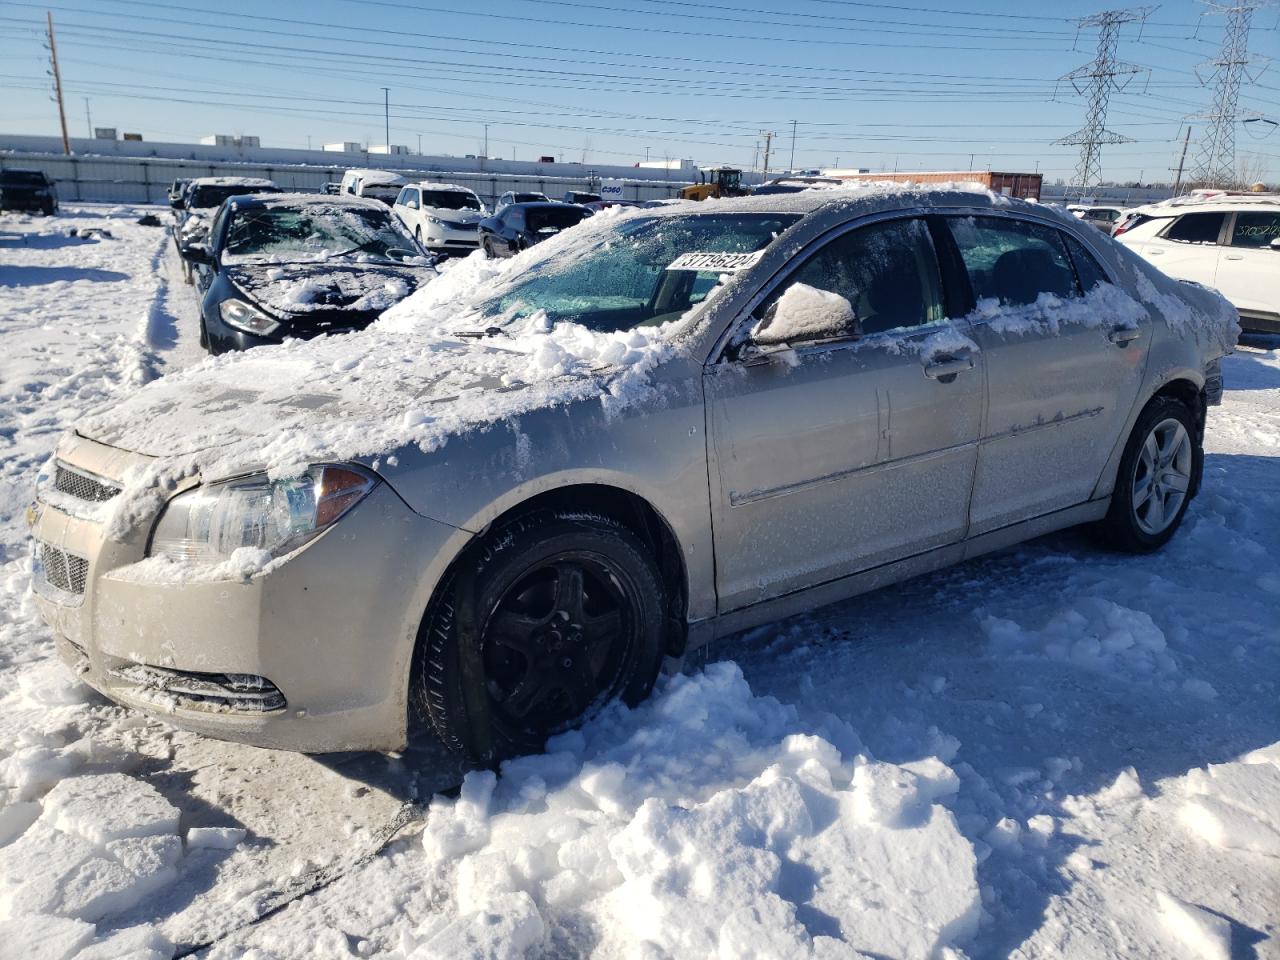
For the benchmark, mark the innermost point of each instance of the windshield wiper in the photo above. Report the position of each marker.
(360, 249)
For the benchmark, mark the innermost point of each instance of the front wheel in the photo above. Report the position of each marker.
(554, 616)
(1158, 475)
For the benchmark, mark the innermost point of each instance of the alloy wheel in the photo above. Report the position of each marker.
(1162, 476)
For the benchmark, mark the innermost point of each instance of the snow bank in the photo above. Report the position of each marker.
(707, 822)
(1232, 806)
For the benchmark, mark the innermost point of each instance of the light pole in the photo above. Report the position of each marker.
(792, 165)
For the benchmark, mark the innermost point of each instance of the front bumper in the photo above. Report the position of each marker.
(312, 656)
(443, 239)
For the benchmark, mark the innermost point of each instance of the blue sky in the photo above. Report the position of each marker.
(914, 85)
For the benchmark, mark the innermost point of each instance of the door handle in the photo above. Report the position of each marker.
(948, 368)
(1154, 253)
(1123, 336)
(1233, 256)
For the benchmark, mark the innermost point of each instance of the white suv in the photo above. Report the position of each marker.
(1230, 242)
(443, 217)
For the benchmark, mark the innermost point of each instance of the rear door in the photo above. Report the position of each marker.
(1249, 269)
(1062, 379)
(850, 450)
(1188, 248)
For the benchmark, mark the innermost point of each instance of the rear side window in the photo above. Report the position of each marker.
(1256, 229)
(1195, 228)
(1013, 261)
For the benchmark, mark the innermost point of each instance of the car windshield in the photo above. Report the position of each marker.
(212, 195)
(631, 278)
(24, 178)
(315, 233)
(386, 192)
(450, 200)
(528, 197)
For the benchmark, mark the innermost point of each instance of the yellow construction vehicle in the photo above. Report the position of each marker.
(715, 182)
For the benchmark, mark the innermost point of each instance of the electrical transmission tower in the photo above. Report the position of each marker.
(1098, 79)
(1216, 160)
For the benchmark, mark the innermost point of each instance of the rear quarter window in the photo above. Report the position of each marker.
(1256, 228)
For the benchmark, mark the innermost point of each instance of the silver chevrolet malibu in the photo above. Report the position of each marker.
(834, 391)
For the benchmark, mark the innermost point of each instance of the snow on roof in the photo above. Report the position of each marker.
(1212, 200)
(452, 187)
(379, 177)
(232, 182)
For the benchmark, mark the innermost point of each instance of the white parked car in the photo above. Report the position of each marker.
(443, 217)
(1229, 242)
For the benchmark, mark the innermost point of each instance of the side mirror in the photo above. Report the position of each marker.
(200, 253)
(805, 313)
(412, 204)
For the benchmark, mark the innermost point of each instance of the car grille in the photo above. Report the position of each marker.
(82, 486)
(63, 570)
(244, 692)
(461, 226)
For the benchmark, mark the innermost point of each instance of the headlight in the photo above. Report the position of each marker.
(211, 522)
(246, 317)
(435, 221)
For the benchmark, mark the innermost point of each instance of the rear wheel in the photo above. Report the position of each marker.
(554, 616)
(1158, 475)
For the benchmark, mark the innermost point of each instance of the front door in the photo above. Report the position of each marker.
(854, 447)
(1063, 371)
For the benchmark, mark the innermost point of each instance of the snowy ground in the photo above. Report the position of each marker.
(1051, 752)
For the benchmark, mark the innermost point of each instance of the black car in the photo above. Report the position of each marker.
(176, 191)
(28, 190)
(199, 201)
(302, 265)
(573, 196)
(521, 225)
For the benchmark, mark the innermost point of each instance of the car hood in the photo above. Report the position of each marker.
(454, 216)
(291, 289)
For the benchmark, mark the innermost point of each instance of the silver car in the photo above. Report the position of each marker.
(842, 389)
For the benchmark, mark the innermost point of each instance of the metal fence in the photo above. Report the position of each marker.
(147, 180)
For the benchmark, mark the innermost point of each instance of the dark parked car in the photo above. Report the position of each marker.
(332, 188)
(516, 196)
(521, 225)
(302, 265)
(177, 190)
(573, 196)
(28, 190)
(201, 198)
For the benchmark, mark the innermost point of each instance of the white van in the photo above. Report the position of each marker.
(378, 184)
(443, 217)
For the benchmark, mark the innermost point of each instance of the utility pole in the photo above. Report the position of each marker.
(486, 141)
(57, 86)
(1177, 183)
(768, 141)
(419, 144)
(88, 118)
(1216, 161)
(386, 116)
(792, 165)
(1098, 79)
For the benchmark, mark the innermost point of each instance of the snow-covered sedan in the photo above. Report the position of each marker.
(200, 200)
(301, 266)
(505, 502)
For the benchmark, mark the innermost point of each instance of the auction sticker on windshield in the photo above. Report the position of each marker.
(720, 262)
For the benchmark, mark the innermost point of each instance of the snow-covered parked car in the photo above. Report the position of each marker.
(442, 216)
(200, 200)
(520, 489)
(302, 265)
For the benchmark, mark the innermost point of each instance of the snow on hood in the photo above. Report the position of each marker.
(406, 380)
(308, 287)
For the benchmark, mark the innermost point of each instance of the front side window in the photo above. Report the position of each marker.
(637, 273)
(1256, 228)
(1196, 228)
(1013, 261)
(1089, 273)
(887, 272)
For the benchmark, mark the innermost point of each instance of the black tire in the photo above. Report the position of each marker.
(204, 334)
(1127, 525)
(487, 248)
(490, 691)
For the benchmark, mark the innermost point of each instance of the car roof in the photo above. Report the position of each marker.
(298, 200)
(859, 197)
(443, 187)
(546, 204)
(233, 182)
(1215, 203)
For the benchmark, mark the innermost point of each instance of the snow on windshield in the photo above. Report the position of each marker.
(313, 231)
